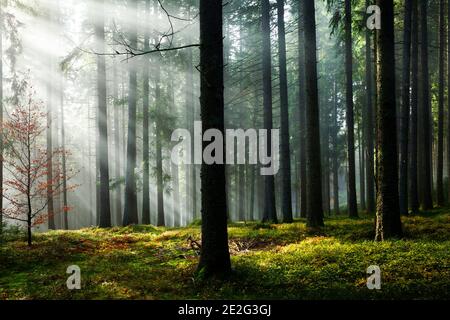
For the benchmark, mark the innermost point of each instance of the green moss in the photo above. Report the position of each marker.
(279, 261)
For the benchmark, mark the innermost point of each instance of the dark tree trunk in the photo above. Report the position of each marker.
(215, 257)
(105, 209)
(117, 106)
(302, 108)
(448, 107)
(388, 223)
(427, 200)
(351, 188)
(50, 205)
(174, 167)
(370, 179)
(1, 124)
(270, 214)
(64, 165)
(159, 161)
(145, 129)
(413, 191)
(440, 151)
(362, 182)
(314, 210)
(130, 215)
(405, 108)
(335, 153)
(285, 161)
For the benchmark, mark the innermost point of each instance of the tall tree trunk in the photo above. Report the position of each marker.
(50, 205)
(270, 214)
(117, 156)
(64, 166)
(448, 107)
(388, 223)
(351, 188)
(215, 257)
(302, 107)
(159, 161)
(425, 106)
(130, 214)
(405, 108)
(370, 179)
(335, 153)
(369, 167)
(440, 151)
(413, 196)
(191, 208)
(1, 122)
(174, 168)
(145, 129)
(362, 182)
(102, 118)
(285, 161)
(314, 210)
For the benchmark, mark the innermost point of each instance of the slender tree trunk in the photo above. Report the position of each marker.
(174, 168)
(362, 182)
(335, 153)
(286, 202)
(145, 130)
(215, 257)
(130, 215)
(405, 108)
(440, 151)
(1, 122)
(159, 161)
(425, 105)
(370, 179)
(117, 157)
(351, 189)
(50, 206)
(191, 209)
(302, 107)
(448, 107)
(270, 214)
(388, 223)
(314, 210)
(64, 166)
(413, 192)
(102, 118)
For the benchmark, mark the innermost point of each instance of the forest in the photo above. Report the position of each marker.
(241, 149)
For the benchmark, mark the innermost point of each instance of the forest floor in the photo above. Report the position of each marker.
(269, 262)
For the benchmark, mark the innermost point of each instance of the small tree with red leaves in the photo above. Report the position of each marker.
(26, 163)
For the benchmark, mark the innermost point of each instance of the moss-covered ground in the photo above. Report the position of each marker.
(269, 262)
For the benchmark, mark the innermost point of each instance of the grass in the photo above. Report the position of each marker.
(269, 262)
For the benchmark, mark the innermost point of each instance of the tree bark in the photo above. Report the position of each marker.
(405, 108)
(335, 153)
(130, 215)
(314, 212)
(159, 161)
(102, 118)
(302, 108)
(427, 200)
(370, 179)
(145, 129)
(440, 151)
(1, 122)
(215, 257)
(388, 223)
(285, 161)
(413, 191)
(270, 214)
(351, 189)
